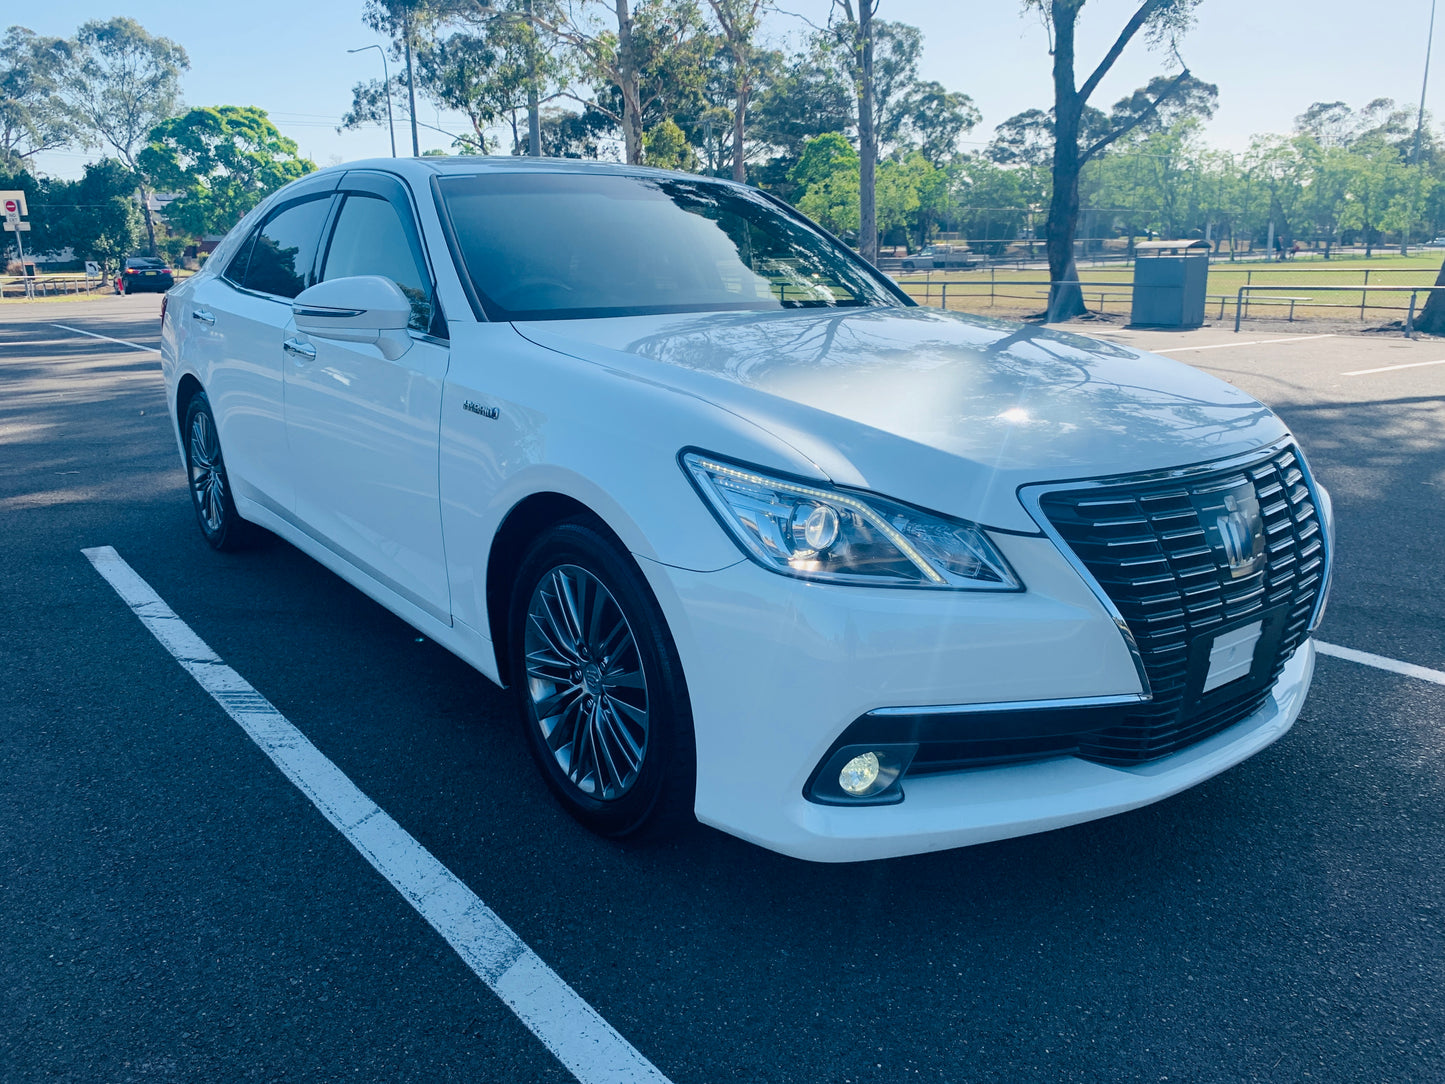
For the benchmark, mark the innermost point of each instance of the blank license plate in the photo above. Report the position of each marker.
(1231, 656)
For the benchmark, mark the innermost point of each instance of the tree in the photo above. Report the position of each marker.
(936, 119)
(33, 116)
(856, 37)
(1163, 22)
(808, 96)
(738, 21)
(827, 175)
(567, 134)
(223, 161)
(1376, 181)
(497, 71)
(668, 148)
(404, 22)
(121, 82)
(991, 203)
(653, 53)
(97, 215)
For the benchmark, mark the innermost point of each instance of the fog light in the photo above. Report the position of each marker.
(859, 774)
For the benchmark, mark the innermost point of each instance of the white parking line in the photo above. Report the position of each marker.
(1380, 662)
(569, 1027)
(1392, 368)
(1251, 342)
(107, 338)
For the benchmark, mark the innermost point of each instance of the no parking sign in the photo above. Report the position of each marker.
(12, 202)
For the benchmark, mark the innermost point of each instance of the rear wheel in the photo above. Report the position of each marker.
(210, 487)
(599, 685)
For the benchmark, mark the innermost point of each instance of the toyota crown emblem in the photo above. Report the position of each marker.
(1234, 524)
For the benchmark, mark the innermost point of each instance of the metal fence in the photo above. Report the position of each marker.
(1269, 298)
(50, 286)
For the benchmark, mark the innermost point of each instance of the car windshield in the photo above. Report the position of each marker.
(144, 262)
(567, 246)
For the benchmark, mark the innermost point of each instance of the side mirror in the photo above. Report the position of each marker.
(359, 309)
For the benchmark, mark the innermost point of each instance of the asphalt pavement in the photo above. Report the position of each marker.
(175, 909)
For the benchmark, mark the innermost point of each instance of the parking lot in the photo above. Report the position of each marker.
(175, 908)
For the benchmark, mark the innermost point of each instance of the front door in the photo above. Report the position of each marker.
(361, 428)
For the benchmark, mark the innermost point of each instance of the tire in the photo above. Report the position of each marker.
(601, 696)
(210, 487)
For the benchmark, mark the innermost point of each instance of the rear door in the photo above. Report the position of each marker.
(362, 429)
(238, 321)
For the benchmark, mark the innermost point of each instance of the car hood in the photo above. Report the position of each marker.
(943, 410)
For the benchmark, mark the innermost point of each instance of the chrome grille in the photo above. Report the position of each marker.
(1152, 552)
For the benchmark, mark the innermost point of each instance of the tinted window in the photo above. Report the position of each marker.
(541, 246)
(283, 252)
(371, 240)
(141, 263)
(236, 269)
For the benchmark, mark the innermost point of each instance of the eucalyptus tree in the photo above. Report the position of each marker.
(1162, 22)
(637, 57)
(854, 29)
(497, 69)
(33, 115)
(738, 21)
(120, 81)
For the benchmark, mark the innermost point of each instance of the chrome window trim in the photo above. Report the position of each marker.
(1032, 497)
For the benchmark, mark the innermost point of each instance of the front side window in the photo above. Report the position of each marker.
(570, 245)
(285, 248)
(370, 239)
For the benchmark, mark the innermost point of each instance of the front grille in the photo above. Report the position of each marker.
(1168, 572)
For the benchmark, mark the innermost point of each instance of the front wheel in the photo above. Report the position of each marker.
(599, 685)
(210, 486)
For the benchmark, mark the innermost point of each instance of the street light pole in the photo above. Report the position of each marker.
(1419, 127)
(386, 75)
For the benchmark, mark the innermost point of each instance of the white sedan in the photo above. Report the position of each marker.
(751, 536)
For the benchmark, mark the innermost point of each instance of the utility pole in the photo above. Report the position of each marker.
(1419, 128)
(407, 28)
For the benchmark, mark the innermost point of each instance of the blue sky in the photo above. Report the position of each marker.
(1271, 59)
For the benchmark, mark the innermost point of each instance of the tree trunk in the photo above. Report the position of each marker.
(867, 139)
(534, 106)
(534, 120)
(1066, 298)
(145, 210)
(1432, 317)
(740, 166)
(628, 83)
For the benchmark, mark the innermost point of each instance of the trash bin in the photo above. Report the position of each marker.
(1170, 279)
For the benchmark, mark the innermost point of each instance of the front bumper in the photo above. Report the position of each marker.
(777, 669)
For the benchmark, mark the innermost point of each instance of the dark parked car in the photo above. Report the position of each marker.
(144, 273)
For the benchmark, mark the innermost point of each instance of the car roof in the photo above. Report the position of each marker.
(422, 169)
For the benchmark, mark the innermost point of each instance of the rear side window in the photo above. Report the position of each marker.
(370, 239)
(285, 248)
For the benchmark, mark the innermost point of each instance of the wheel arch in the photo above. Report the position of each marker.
(187, 388)
(527, 519)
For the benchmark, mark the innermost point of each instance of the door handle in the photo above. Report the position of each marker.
(203, 316)
(297, 348)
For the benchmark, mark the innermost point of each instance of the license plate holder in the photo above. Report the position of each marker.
(1234, 659)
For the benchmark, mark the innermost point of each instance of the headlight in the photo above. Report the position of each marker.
(842, 537)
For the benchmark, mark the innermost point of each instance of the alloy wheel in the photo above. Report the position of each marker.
(207, 474)
(585, 683)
